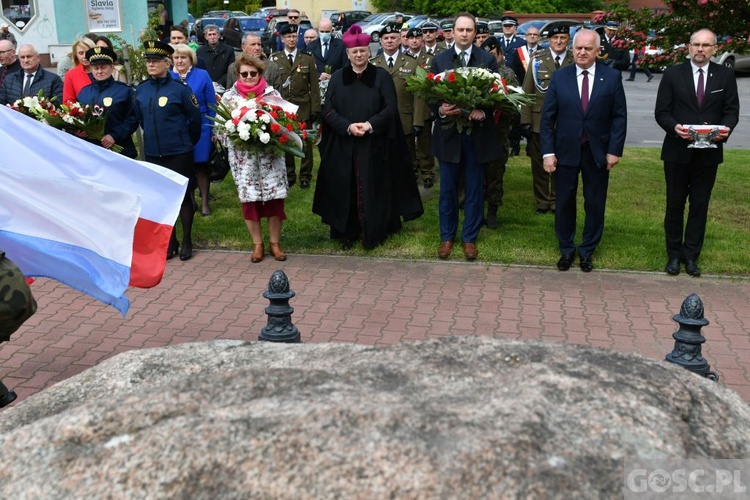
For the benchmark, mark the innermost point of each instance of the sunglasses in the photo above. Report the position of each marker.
(293, 17)
(251, 74)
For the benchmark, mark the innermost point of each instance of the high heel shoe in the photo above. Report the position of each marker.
(172, 250)
(257, 255)
(277, 252)
(187, 250)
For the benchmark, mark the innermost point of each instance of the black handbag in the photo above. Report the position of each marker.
(218, 163)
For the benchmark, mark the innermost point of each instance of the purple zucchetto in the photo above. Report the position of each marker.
(355, 38)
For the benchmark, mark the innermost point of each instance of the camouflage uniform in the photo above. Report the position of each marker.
(298, 84)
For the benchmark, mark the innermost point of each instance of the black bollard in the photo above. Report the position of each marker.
(279, 327)
(688, 338)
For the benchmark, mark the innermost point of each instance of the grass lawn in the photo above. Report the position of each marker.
(633, 234)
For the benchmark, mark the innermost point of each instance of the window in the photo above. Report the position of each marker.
(19, 13)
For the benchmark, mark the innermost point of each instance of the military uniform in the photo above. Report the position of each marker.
(437, 49)
(536, 82)
(495, 171)
(425, 160)
(298, 84)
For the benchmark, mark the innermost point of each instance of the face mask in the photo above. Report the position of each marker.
(325, 37)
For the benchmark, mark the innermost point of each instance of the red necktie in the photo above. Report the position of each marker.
(700, 87)
(584, 100)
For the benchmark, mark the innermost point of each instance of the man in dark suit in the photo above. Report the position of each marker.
(328, 51)
(612, 54)
(509, 41)
(584, 122)
(695, 92)
(30, 80)
(460, 152)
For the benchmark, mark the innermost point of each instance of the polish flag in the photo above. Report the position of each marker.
(80, 214)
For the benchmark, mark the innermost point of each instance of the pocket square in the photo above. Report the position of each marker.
(717, 90)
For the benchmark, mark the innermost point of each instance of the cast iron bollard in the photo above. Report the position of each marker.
(279, 327)
(688, 338)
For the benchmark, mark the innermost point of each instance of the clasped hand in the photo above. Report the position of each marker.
(359, 129)
(453, 110)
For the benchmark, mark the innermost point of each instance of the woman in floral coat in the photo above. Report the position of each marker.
(260, 176)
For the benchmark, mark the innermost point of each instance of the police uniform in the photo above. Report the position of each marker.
(536, 82)
(168, 112)
(425, 160)
(410, 107)
(117, 100)
(298, 84)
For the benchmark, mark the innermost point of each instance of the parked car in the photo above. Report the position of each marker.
(238, 27)
(374, 29)
(205, 21)
(276, 13)
(541, 24)
(225, 13)
(342, 21)
(270, 36)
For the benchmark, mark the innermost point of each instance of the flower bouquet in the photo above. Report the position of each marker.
(468, 88)
(85, 118)
(323, 84)
(40, 108)
(254, 124)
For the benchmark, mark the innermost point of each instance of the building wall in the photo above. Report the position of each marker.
(59, 22)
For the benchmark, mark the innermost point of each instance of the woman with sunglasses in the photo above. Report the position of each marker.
(200, 83)
(260, 177)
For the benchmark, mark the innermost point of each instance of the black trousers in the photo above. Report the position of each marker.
(687, 182)
(595, 184)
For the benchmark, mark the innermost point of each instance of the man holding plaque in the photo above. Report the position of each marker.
(695, 93)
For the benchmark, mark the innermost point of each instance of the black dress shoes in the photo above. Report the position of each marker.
(186, 252)
(348, 244)
(304, 184)
(673, 267)
(587, 265)
(540, 211)
(691, 267)
(565, 262)
(428, 183)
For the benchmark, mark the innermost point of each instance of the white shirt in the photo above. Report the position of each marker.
(696, 75)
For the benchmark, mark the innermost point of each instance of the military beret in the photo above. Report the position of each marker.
(389, 28)
(509, 21)
(101, 55)
(483, 28)
(154, 49)
(558, 29)
(490, 44)
(429, 26)
(288, 29)
(414, 32)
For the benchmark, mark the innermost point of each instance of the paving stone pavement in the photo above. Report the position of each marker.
(379, 302)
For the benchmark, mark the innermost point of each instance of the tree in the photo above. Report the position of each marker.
(486, 7)
(671, 30)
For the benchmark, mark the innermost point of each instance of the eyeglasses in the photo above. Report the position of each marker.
(251, 74)
(702, 45)
(293, 17)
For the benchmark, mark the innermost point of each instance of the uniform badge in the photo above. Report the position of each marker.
(107, 101)
(163, 101)
(194, 100)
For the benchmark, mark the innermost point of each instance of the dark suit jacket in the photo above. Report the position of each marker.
(446, 144)
(563, 120)
(49, 83)
(335, 57)
(515, 42)
(676, 102)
